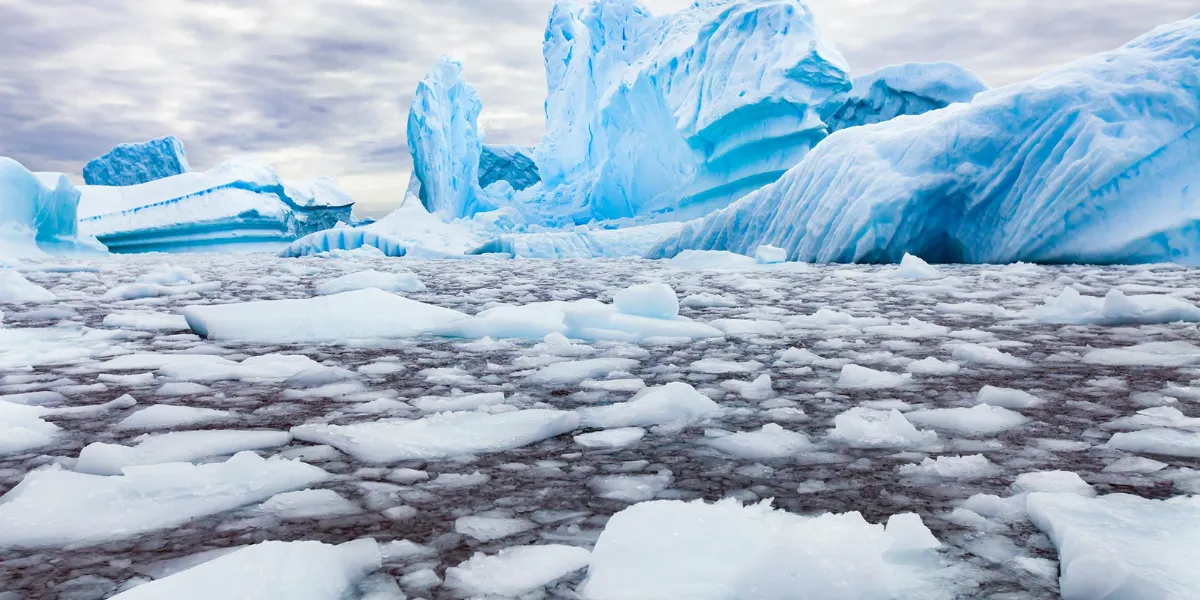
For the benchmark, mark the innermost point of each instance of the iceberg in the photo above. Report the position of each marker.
(1094, 162)
(133, 164)
(906, 89)
(241, 204)
(681, 113)
(445, 142)
(512, 164)
(38, 214)
(582, 242)
(343, 238)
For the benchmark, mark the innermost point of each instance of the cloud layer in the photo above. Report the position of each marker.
(322, 86)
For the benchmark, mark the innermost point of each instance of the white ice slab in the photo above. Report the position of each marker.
(167, 416)
(980, 419)
(174, 447)
(674, 405)
(515, 571)
(388, 282)
(772, 441)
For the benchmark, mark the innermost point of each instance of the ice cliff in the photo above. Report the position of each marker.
(906, 89)
(37, 214)
(513, 164)
(1094, 162)
(131, 164)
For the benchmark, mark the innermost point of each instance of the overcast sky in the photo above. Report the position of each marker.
(322, 87)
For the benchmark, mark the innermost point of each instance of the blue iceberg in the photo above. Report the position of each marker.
(906, 89)
(240, 205)
(132, 164)
(582, 242)
(38, 214)
(445, 142)
(343, 238)
(1095, 162)
(511, 164)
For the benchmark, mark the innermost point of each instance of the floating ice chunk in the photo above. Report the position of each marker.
(344, 239)
(51, 507)
(826, 319)
(270, 571)
(581, 243)
(381, 368)
(388, 282)
(1153, 354)
(915, 329)
(515, 571)
(772, 441)
(182, 388)
(769, 255)
(309, 504)
(141, 361)
(630, 488)
(674, 405)
(861, 378)
(177, 446)
(707, 300)
(654, 300)
(708, 260)
(486, 529)
(961, 468)
(15, 289)
(435, 404)
(166, 274)
(976, 353)
(1165, 442)
(363, 314)
(1114, 309)
(714, 366)
(908, 533)
(670, 549)
(167, 416)
(912, 267)
(868, 428)
(799, 356)
(611, 438)
(1158, 416)
(1135, 464)
(932, 366)
(146, 321)
(1007, 398)
(1058, 482)
(458, 481)
(22, 428)
(615, 385)
(441, 436)
(759, 389)
(975, 309)
(138, 291)
(977, 420)
(1122, 546)
(575, 371)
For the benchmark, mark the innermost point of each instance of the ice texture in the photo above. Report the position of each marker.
(343, 238)
(906, 89)
(682, 112)
(1092, 162)
(38, 215)
(581, 242)
(240, 204)
(512, 164)
(143, 162)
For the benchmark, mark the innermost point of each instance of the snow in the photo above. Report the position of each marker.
(178, 446)
(486, 529)
(674, 405)
(388, 282)
(672, 549)
(978, 420)
(239, 205)
(38, 215)
(52, 507)
(441, 436)
(1070, 307)
(343, 238)
(167, 416)
(1089, 163)
(1121, 546)
(516, 570)
(15, 289)
(772, 441)
(445, 142)
(611, 438)
(131, 164)
(869, 428)
(905, 89)
(302, 570)
(368, 313)
(308, 504)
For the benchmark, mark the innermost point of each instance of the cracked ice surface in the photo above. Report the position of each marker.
(833, 389)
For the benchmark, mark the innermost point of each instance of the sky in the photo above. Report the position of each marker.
(322, 87)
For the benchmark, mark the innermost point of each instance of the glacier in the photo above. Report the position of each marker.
(512, 164)
(445, 142)
(1094, 162)
(906, 89)
(132, 164)
(38, 215)
(239, 205)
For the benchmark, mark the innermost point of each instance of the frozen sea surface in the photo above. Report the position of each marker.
(1088, 410)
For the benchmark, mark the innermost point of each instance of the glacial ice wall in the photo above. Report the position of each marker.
(681, 113)
(1094, 162)
(37, 214)
(906, 89)
(132, 164)
(445, 142)
(513, 164)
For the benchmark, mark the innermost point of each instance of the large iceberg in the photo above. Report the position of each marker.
(131, 164)
(681, 113)
(445, 142)
(241, 204)
(513, 164)
(1094, 162)
(906, 89)
(38, 214)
